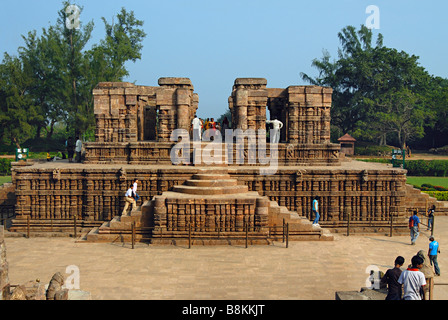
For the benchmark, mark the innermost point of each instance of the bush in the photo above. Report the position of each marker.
(439, 195)
(372, 150)
(432, 168)
(379, 160)
(5, 166)
(430, 187)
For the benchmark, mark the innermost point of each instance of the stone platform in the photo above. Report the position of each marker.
(52, 194)
(209, 209)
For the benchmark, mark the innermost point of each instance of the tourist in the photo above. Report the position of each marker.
(129, 200)
(316, 211)
(394, 289)
(414, 222)
(413, 280)
(212, 126)
(48, 156)
(431, 212)
(432, 254)
(196, 123)
(134, 190)
(78, 149)
(206, 127)
(224, 127)
(70, 149)
(277, 126)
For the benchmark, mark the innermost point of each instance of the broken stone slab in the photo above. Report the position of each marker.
(363, 294)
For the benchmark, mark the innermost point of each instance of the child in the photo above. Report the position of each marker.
(413, 280)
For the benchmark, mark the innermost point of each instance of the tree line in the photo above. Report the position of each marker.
(50, 79)
(382, 95)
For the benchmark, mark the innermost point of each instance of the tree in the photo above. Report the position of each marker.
(369, 80)
(52, 78)
(16, 108)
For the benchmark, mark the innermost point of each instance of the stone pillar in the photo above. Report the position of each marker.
(160, 214)
(262, 214)
(241, 109)
(183, 112)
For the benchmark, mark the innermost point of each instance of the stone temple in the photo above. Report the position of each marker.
(218, 202)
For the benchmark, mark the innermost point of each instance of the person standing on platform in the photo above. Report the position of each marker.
(316, 211)
(196, 123)
(134, 190)
(70, 149)
(78, 149)
(129, 200)
(277, 126)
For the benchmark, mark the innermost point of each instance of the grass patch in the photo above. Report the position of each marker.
(4, 179)
(435, 181)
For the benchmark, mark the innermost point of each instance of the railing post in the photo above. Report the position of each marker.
(391, 224)
(189, 236)
(431, 289)
(74, 226)
(348, 223)
(283, 231)
(287, 235)
(133, 234)
(28, 226)
(247, 234)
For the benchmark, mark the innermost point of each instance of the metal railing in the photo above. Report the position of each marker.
(245, 235)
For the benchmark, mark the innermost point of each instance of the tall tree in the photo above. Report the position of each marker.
(16, 108)
(367, 78)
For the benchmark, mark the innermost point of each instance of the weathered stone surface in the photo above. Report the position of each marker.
(55, 285)
(4, 269)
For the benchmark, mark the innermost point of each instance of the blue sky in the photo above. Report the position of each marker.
(214, 42)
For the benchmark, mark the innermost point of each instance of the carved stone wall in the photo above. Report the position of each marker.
(303, 110)
(95, 194)
(125, 112)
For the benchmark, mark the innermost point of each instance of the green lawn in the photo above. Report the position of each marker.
(4, 179)
(435, 181)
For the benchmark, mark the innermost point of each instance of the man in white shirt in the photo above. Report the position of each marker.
(413, 280)
(197, 126)
(277, 126)
(134, 190)
(129, 199)
(78, 149)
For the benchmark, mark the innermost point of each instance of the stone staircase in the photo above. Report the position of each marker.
(417, 200)
(209, 188)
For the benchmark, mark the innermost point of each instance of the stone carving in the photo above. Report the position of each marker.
(57, 174)
(55, 291)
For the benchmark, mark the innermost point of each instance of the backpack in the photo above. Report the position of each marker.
(411, 222)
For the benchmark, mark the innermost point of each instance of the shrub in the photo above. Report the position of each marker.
(439, 195)
(433, 168)
(5, 166)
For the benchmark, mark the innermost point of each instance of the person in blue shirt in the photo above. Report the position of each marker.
(414, 222)
(432, 254)
(316, 210)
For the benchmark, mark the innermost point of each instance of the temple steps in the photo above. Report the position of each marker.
(215, 186)
(212, 183)
(420, 201)
(211, 190)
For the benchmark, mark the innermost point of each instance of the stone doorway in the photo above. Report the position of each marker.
(150, 123)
